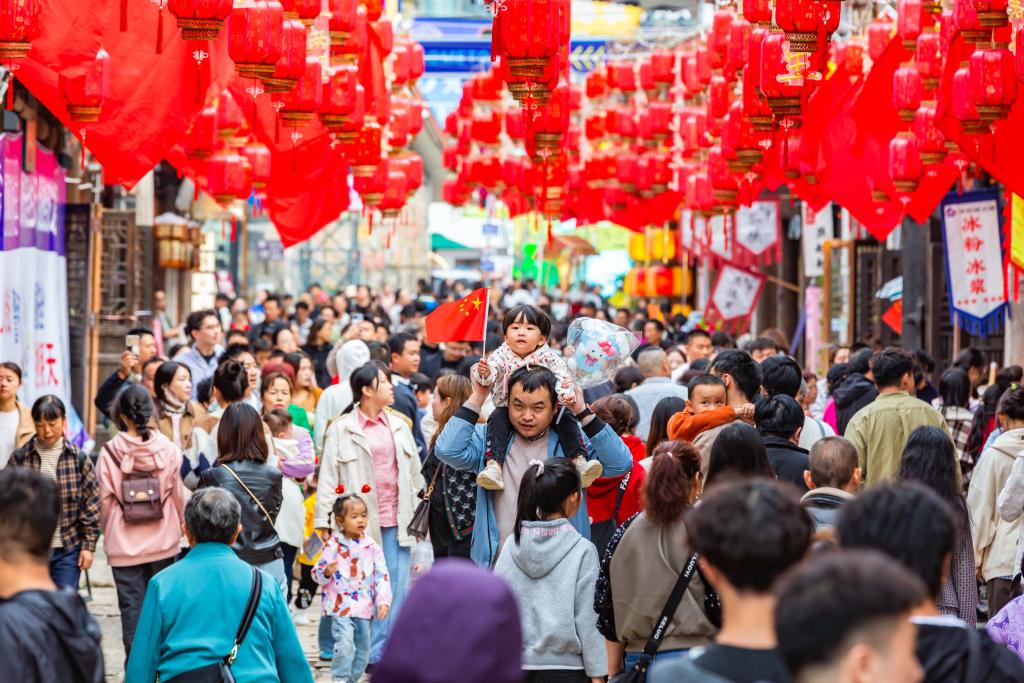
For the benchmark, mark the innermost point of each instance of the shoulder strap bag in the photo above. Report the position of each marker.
(638, 673)
(420, 524)
(251, 494)
(220, 672)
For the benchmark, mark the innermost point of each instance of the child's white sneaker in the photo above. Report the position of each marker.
(301, 619)
(589, 470)
(490, 477)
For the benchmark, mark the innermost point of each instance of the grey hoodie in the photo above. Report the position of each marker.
(553, 574)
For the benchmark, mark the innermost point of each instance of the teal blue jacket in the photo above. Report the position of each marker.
(192, 611)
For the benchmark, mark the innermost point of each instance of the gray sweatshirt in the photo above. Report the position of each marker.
(553, 574)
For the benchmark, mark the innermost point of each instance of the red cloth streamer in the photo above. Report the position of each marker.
(160, 31)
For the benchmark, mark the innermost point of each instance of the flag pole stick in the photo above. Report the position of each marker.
(487, 317)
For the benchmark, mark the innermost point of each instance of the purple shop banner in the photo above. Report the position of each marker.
(32, 203)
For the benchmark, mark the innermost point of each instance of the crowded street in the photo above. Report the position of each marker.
(511, 341)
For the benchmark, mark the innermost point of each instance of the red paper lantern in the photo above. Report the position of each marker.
(301, 103)
(395, 194)
(879, 35)
(596, 84)
(663, 67)
(338, 102)
(400, 66)
(228, 177)
(928, 59)
(527, 35)
(758, 12)
(292, 63)
(84, 94)
(718, 37)
(691, 78)
(992, 13)
(803, 20)
(907, 91)
(372, 184)
(365, 152)
(548, 129)
(695, 131)
(993, 82)
(739, 141)
(782, 95)
(201, 136)
(719, 92)
(723, 182)
(947, 31)
(965, 15)
(348, 48)
(485, 127)
(910, 22)
(305, 11)
(702, 62)
(739, 48)
(259, 160)
(229, 116)
(20, 24)
(411, 166)
(343, 19)
(964, 108)
(927, 133)
(374, 8)
(515, 124)
(398, 130)
(417, 62)
(254, 38)
(849, 58)
(622, 77)
(905, 165)
(200, 19)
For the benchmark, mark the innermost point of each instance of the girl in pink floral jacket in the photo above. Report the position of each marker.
(354, 576)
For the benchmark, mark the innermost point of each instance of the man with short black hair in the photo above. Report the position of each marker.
(913, 525)
(272, 319)
(204, 331)
(654, 337)
(302, 322)
(844, 618)
(779, 421)
(782, 375)
(880, 430)
(832, 477)
(742, 377)
(856, 391)
(532, 408)
(129, 368)
(762, 348)
(653, 362)
(46, 634)
(747, 533)
(696, 346)
(404, 351)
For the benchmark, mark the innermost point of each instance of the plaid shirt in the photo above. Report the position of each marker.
(79, 493)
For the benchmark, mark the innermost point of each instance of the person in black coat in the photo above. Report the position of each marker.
(856, 391)
(779, 420)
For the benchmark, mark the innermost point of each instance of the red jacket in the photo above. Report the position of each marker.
(602, 493)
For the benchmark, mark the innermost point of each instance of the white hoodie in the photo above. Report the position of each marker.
(352, 356)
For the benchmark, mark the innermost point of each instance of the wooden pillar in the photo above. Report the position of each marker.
(915, 283)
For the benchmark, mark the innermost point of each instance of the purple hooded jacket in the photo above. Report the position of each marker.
(459, 623)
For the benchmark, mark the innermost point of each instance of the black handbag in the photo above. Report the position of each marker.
(420, 524)
(220, 672)
(638, 672)
(601, 532)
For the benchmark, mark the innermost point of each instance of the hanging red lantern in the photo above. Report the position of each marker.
(343, 19)
(259, 160)
(254, 38)
(417, 62)
(594, 126)
(927, 133)
(487, 87)
(200, 19)
(739, 141)
(596, 83)
(802, 20)
(411, 166)
(739, 48)
(966, 17)
(548, 129)
(879, 35)
(20, 24)
(719, 92)
(691, 79)
(622, 77)
(83, 95)
(300, 104)
(372, 184)
(399, 66)
(201, 136)
(758, 12)
(718, 37)
(365, 152)
(663, 68)
(292, 63)
(723, 182)
(905, 166)
(849, 58)
(305, 11)
(622, 122)
(907, 91)
(993, 82)
(398, 130)
(395, 192)
(338, 101)
(348, 48)
(646, 78)
(527, 35)
(229, 116)
(783, 94)
(910, 22)
(702, 62)
(695, 131)
(928, 59)
(228, 177)
(964, 108)
(374, 8)
(485, 127)
(992, 13)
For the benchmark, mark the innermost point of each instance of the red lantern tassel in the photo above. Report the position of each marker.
(124, 15)
(370, 221)
(234, 227)
(83, 151)
(160, 31)
(387, 240)
(277, 129)
(10, 89)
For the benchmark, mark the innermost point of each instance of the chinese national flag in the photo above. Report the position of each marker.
(462, 320)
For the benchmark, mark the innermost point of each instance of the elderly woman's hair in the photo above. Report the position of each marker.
(212, 515)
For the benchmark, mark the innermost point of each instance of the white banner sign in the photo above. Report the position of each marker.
(974, 258)
(817, 227)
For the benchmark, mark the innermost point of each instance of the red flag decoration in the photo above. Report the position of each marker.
(462, 320)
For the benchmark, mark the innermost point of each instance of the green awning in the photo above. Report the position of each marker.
(439, 242)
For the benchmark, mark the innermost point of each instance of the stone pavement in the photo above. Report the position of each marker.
(103, 606)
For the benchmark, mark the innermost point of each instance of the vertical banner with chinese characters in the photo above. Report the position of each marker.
(974, 260)
(816, 228)
(33, 277)
(734, 296)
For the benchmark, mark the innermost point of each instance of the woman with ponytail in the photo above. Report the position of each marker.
(138, 542)
(369, 450)
(643, 562)
(552, 571)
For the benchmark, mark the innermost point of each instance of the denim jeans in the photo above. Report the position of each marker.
(661, 658)
(324, 638)
(276, 569)
(64, 568)
(398, 560)
(351, 648)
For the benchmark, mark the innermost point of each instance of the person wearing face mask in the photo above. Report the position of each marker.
(175, 413)
(48, 452)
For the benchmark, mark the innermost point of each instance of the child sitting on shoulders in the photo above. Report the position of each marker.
(705, 409)
(526, 329)
(355, 579)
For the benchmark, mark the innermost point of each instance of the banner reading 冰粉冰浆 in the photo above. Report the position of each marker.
(33, 277)
(974, 260)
